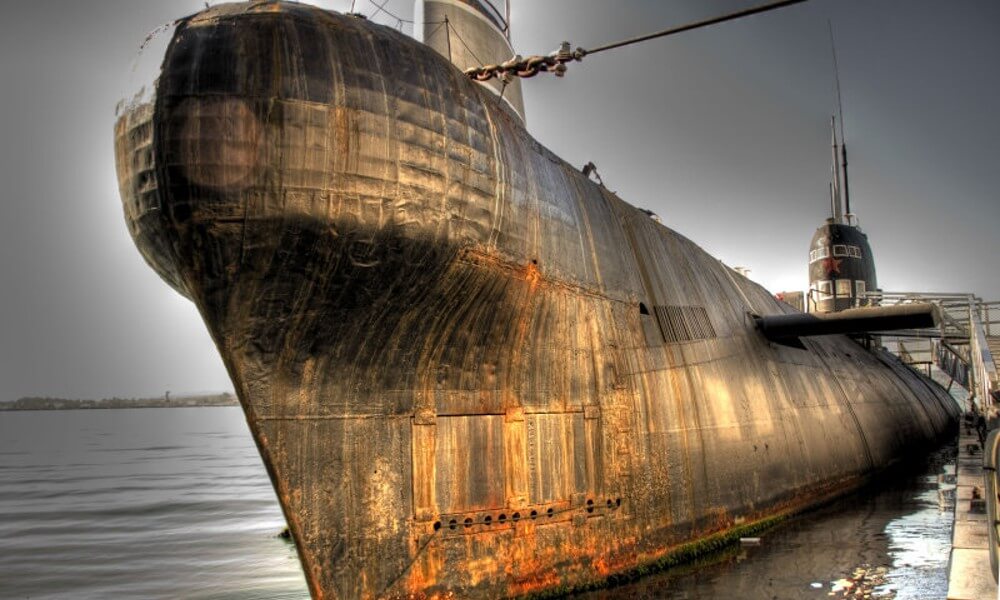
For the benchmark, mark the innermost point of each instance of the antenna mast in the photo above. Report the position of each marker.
(840, 113)
(838, 215)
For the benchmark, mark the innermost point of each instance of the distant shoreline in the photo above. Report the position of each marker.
(207, 400)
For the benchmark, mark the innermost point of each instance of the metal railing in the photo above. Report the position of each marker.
(965, 321)
(965, 325)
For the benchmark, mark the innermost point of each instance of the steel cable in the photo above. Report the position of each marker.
(556, 61)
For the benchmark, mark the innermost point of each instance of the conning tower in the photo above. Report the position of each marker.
(841, 267)
(471, 33)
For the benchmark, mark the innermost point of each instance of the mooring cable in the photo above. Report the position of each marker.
(556, 61)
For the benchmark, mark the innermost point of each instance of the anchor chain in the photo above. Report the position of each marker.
(519, 66)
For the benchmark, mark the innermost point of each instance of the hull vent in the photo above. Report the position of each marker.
(684, 323)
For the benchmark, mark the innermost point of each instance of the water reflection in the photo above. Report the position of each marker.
(889, 541)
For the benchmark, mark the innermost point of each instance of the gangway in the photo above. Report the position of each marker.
(965, 344)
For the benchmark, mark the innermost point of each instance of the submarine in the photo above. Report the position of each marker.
(471, 371)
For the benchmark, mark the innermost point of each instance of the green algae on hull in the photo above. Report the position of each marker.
(683, 554)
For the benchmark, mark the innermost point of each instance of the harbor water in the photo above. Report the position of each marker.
(175, 503)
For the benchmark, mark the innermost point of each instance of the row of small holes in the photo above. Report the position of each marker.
(612, 504)
(488, 520)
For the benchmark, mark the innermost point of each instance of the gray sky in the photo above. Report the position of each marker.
(722, 131)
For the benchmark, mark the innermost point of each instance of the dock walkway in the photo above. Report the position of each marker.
(969, 575)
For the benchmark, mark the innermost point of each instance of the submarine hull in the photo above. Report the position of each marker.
(468, 369)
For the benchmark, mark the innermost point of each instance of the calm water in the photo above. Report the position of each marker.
(139, 503)
(175, 503)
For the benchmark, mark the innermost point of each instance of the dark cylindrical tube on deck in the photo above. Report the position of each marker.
(854, 321)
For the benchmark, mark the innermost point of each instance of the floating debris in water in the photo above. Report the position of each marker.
(863, 583)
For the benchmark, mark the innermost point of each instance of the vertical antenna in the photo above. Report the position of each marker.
(838, 215)
(833, 203)
(840, 113)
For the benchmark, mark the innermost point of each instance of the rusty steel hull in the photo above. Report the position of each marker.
(468, 369)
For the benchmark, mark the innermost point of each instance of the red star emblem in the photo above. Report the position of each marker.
(832, 265)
